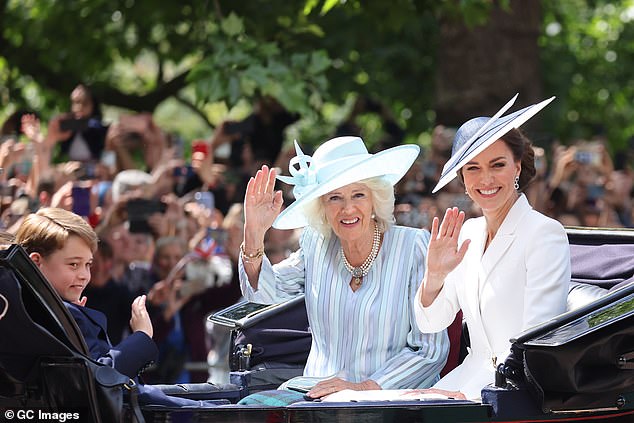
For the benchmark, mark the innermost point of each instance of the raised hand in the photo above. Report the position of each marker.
(81, 301)
(140, 320)
(261, 206)
(443, 254)
(55, 132)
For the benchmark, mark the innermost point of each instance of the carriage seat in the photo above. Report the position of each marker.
(597, 270)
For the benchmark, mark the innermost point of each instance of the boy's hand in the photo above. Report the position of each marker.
(81, 302)
(140, 320)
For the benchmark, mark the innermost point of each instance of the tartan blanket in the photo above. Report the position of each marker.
(273, 398)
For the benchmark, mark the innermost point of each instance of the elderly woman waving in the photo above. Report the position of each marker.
(359, 272)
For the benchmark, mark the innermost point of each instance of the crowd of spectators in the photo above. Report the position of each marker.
(170, 222)
(579, 184)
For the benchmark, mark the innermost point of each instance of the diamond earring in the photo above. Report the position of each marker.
(516, 184)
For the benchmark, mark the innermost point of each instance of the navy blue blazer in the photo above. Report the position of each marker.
(130, 357)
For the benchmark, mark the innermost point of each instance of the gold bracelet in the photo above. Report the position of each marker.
(250, 258)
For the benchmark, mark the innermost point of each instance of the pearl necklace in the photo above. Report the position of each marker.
(359, 272)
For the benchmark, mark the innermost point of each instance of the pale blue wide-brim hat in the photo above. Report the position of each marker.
(474, 136)
(336, 163)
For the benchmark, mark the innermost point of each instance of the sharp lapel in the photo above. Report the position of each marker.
(97, 317)
(504, 237)
(495, 252)
(477, 234)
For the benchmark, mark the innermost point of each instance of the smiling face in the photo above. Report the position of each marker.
(349, 212)
(489, 178)
(67, 269)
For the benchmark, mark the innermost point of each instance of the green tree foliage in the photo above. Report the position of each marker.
(240, 66)
(137, 53)
(311, 54)
(587, 55)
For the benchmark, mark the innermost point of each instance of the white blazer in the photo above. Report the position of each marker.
(520, 281)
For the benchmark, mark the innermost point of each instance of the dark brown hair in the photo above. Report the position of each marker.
(522, 149)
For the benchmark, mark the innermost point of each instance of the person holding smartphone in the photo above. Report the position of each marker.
(81, 133)
(259, 137)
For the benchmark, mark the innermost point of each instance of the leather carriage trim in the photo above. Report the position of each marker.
(6, 306)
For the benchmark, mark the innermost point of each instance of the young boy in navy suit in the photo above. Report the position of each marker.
(62, 244)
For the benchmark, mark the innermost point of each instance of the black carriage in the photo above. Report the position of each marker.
(578, 366)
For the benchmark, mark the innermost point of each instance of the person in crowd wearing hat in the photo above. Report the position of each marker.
(359, 272)
(508, 270)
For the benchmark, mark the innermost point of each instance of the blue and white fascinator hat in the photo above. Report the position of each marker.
(477, 134)
(336, 163)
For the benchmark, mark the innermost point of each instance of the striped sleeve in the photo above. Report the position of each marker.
(277, 283)
(419, 363)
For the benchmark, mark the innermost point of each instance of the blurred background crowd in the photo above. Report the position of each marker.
(168, 211)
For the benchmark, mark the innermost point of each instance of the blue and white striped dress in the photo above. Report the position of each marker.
(367, 334)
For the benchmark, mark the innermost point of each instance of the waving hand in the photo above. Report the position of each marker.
(261, 206)
(443, 254)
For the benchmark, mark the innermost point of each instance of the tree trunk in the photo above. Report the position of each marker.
(481, 68)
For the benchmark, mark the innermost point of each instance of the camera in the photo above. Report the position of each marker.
(588, 154)
(241, 127)
(139, 210)
(586, 157)
(74, 125)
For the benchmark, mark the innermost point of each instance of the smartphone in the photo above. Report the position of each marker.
(81, 200)
(584, 157)
(200, 146)
(185, 171)
(205, 199)
(240, 127)
(595, 191)
(588, 154)
(232, 128)
(74, 125)
(141, 208)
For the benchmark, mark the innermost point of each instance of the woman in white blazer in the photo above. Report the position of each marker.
(507, 270)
